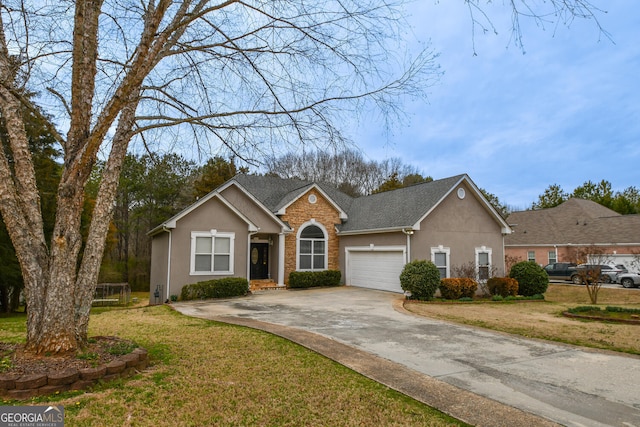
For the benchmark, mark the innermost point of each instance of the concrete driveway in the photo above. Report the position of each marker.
(564, 384)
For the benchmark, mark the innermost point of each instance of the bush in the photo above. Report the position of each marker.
(583, 309)
(532, 279)
(456, 288)
(217, 288)
(503, 286)
(612, 309)
(421, 279)
(311, 279)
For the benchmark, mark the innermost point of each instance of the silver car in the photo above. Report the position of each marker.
(629, 280)
(608, 272)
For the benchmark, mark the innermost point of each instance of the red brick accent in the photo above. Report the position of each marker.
(302, 211)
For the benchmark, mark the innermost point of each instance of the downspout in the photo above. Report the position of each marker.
(281, 255)
(408, 232)
(164, 228)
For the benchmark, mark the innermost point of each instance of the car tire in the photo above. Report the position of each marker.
(606, 278)
(576, 279)
(627, 283)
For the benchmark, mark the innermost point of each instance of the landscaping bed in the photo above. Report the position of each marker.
(609, 314)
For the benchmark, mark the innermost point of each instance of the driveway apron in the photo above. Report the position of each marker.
(565, 384)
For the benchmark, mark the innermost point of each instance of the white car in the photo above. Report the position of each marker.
(629, 280)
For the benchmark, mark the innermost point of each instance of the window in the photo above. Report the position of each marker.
(440, 257)
(212, 252)
(483, 263)
(312, 248)
(531, 256)
(552, 257)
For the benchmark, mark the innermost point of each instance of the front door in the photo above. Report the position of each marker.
(259, 261)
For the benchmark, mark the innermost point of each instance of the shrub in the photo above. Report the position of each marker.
(532, 279)
(217, 288)
(583, 309)
(497, 298)
(311, 279)
(421, 279)
(503, 286)
(612, 309)
(456, 288)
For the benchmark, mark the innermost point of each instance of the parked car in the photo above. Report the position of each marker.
(608, 272)
(629, 280)
(560, 270)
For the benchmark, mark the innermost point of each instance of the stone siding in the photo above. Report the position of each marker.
(302, 211)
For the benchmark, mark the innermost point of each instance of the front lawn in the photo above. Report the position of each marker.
(206, 373)
(544, 320)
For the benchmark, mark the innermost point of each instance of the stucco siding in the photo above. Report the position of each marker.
(159, 266)
(213, 215)
(462, 225)
(256, 214)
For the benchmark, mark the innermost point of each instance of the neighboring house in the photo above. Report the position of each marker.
(265, 227)
(572, 231)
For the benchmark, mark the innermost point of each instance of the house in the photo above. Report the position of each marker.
(263, 228)
(572, 231)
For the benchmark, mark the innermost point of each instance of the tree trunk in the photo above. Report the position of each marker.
(100, 220)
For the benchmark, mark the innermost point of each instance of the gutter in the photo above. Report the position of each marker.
(379, 230)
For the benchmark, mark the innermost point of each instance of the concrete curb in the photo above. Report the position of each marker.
(461, 404)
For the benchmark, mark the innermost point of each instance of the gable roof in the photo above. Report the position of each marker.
(403, 207)
(393, 210)
(171, 222)
(406, 207)
(277, 193)
(575, 221)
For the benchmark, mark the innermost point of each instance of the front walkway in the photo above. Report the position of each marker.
(433, 360)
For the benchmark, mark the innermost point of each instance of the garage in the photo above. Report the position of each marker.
(375, 269)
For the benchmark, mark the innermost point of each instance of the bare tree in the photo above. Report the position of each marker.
(591, 274)
(212, 72)
(347, 170)
(252, 76)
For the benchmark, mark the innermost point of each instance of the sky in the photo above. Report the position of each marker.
(564, 111)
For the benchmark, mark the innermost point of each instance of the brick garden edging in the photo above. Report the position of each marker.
(21, 387)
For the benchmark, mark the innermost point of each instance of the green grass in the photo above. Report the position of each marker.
(13, 327)
(207, 374)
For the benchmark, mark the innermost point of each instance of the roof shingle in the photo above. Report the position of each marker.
(575, 221)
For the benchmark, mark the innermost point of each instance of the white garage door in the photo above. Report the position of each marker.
(375, 269)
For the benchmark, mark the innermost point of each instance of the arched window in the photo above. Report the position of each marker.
(312, 248)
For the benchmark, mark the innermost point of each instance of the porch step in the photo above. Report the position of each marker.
(264, 284)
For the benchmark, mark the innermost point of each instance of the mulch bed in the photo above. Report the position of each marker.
(97, 351)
